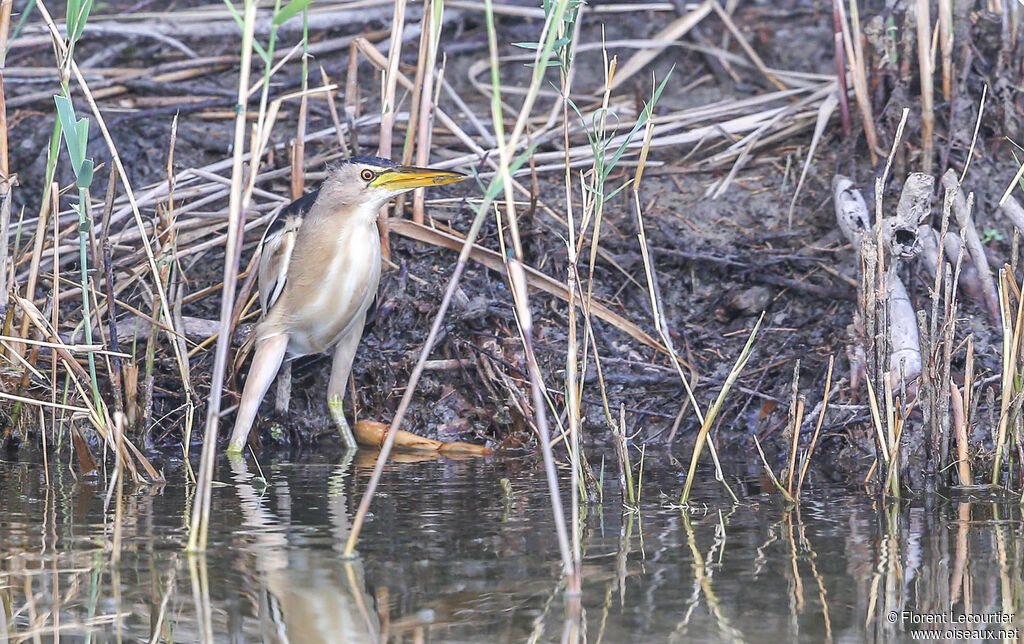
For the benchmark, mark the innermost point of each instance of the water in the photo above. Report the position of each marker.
(450, 554)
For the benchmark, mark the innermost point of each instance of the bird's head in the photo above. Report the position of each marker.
(372, 181)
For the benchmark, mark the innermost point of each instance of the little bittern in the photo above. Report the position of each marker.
(319, 269)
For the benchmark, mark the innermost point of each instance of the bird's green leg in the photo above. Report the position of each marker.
(335, 404)
(344, 354)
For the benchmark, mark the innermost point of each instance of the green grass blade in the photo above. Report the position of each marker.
(258, 48)
(290, 10)
(645, 115)
(72, 138)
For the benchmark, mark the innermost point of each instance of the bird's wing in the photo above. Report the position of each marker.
(276, 249)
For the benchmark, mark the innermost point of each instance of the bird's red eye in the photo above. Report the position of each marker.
(367, 175)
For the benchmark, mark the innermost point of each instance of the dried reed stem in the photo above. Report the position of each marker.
(858, 68)
(1012, 334)
(5, 171)
(197, 538)
(433, 16)
(817, 428)
(946, 47)
(924, 60)
(388, 109)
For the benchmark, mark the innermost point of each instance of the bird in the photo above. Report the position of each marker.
(320, 263)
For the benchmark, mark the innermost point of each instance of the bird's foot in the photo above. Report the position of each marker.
(338, 414)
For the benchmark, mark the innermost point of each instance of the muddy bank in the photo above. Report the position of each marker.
(720, 260)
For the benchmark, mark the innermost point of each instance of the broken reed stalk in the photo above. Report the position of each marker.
(433, 20)
(543, 55)
(299, 146)
(709, 418)
(5, 170)
(894, 430)
(896, 423)
(1012, 333)
(946, 48)
(924, 59)
(413, 122)
(111, 304)
(961, 409)
(85, 220)
(805, 463)
(622, 452)
(54, 194)
(796, 414)
(963, 436)
(771, 475)
(388, 109)
(837, 37)
(858, 69)
(199, 524)
(879, 425)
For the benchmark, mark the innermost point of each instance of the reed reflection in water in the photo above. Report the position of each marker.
(453, 554)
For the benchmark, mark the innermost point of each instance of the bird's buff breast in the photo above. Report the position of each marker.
(330, 291)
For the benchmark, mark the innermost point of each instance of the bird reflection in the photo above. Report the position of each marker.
(306, 594)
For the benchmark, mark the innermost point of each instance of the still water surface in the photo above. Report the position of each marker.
(451, 554)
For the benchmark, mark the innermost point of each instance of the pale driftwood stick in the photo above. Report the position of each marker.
(854, 219)
(905, 358)
(852, 212)
(913, 209)
(1014, 212)
(968, 282)
(974, 246)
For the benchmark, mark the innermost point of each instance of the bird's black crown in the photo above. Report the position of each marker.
(376, 162)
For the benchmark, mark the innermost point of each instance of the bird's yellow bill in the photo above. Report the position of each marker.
(407, 177)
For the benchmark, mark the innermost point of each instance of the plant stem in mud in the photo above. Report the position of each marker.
(199, 526)
(709, 418)
(84, 225)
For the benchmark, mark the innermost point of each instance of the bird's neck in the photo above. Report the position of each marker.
(367, 212)
(348, 214)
